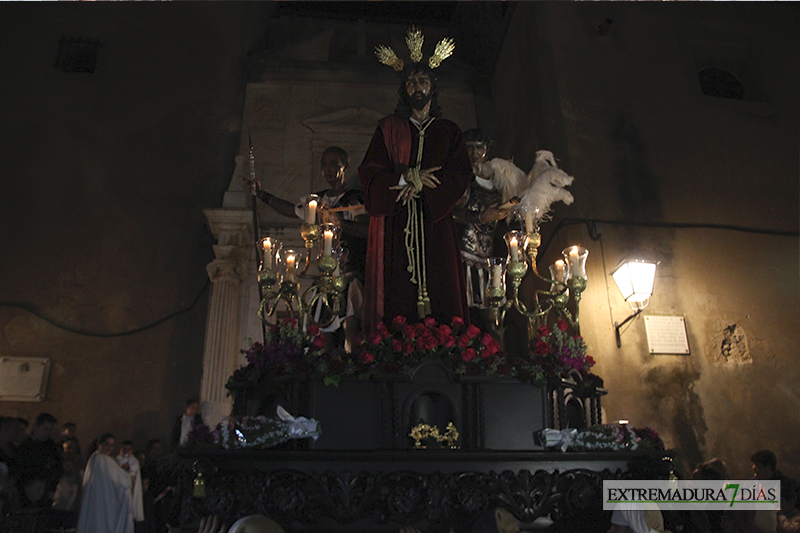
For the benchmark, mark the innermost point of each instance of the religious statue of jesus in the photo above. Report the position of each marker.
(414, 172)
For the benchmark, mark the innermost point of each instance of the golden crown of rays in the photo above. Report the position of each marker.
(414, 40)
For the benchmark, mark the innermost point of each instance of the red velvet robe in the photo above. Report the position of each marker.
(388, 291)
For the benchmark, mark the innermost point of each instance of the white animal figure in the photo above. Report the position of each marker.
(546, 184)
(509, 179)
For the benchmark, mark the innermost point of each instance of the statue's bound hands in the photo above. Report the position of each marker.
(428, 179)
(407, 192)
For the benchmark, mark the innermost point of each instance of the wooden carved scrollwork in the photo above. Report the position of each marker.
(335, 499)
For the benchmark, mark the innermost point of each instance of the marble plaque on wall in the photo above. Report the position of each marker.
(23, 379)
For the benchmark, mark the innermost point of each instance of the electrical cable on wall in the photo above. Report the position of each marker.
(591, 225)
(35, 312)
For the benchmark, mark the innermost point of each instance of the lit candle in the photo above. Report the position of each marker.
(312, 211)
(573, 262)
(328, 236)
(290, 267)
(514, 250)
(497, 276)
(267, 261)
(560, 270)
(529, 222)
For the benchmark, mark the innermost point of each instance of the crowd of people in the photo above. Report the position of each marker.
(113, 488)
(764, 466)
(48, 483)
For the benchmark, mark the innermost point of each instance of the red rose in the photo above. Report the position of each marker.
(374, 338)
(408, 347)
(313, 329)
(290, 321)
(397, 346)
(399, 321)
(430, 343)
(319, 342)
(420, 342)
(463, 341)
(562, 325)
(457, 322)
(487, 339)
(485, 353)
(430, 322)
(468, 355)
(449, 342)
(492, 348)
(589, 361)
(473, 331)
(409, 331)
(421, 329)
(444, 328)
(367, 357)
(544, 331)
(541, 348)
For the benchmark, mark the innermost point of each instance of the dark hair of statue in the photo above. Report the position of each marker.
(343, 156)
(477, 135)
(403, 108)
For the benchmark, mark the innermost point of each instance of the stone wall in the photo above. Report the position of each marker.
(624, 113)
(105, 176)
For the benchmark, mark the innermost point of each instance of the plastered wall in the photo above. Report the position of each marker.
(624, 113)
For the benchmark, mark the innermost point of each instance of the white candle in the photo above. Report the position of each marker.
(529, 222)
(574, 264)
(336, 270)
(514, 250)
(312, 212)
(560, 270)
(290, 268)
(267, 243)
(328, 245)
(497, 276)
(573, 261)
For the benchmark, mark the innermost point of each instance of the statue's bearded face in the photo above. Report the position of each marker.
(418, 90)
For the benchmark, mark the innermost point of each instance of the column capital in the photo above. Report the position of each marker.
(231, 226)
(228, 270)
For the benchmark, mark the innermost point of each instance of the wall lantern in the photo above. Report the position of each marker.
(634, 278)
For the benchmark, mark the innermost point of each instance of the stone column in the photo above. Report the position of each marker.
(234, 233)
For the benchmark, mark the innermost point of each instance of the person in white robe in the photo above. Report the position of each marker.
(107, 505)
(130, 464)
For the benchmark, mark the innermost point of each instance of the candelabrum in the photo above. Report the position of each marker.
(568, 276)
(278, 267)
(324, 300)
